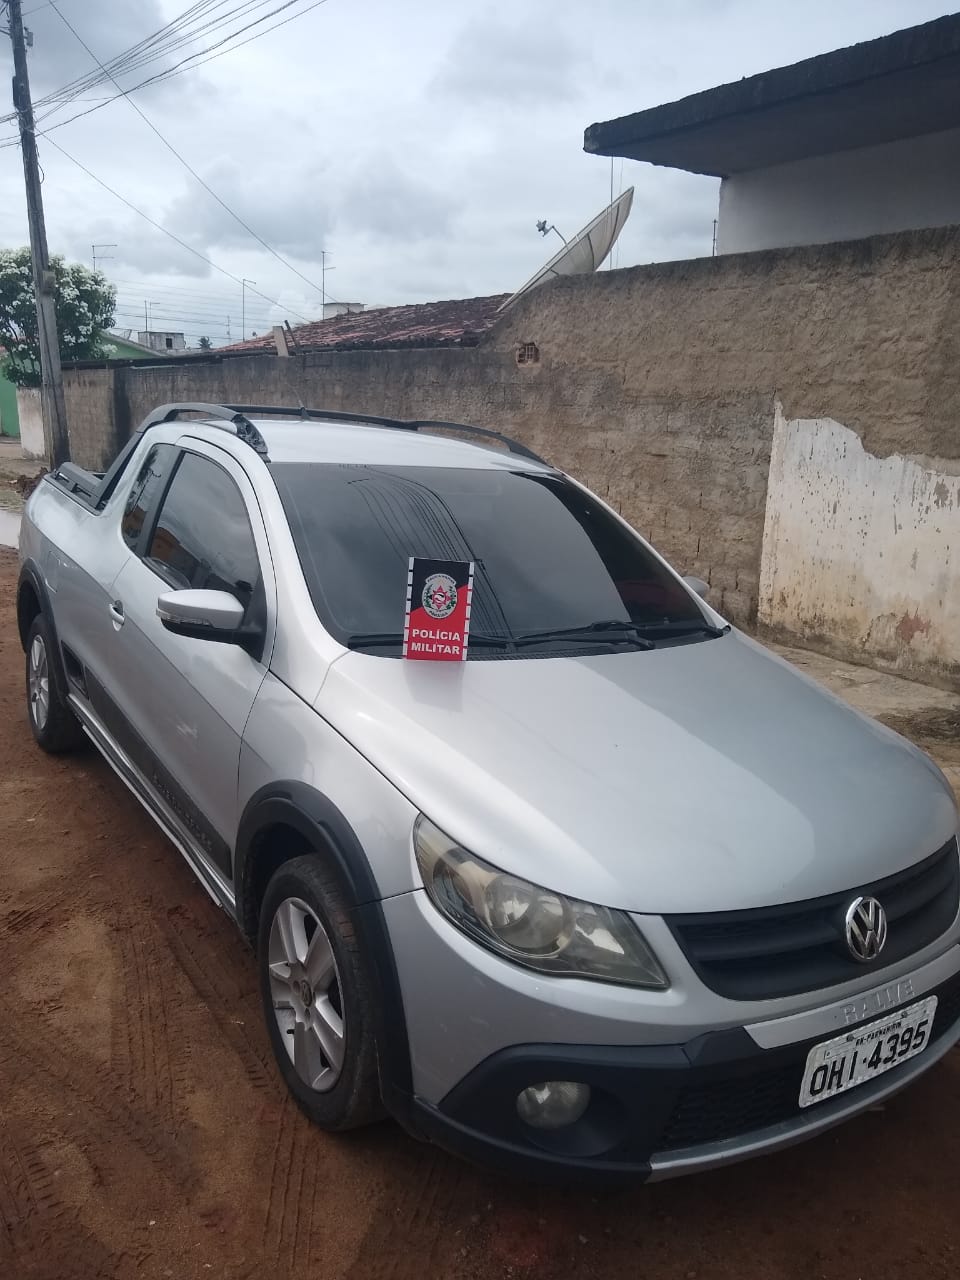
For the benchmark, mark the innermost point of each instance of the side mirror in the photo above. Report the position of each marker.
(201, 615)
(698, 586)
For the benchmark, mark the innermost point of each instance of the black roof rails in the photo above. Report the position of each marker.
(376, 420)
(245, 429)
(239, 416)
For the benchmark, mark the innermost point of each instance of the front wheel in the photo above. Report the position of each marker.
(318, 996)
(54, 725)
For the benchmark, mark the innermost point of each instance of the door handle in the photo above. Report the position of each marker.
(116, 614)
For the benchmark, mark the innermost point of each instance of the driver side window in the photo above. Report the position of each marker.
(202, 537)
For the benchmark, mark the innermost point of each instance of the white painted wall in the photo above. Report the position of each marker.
(861, 552)
(31, 423)
(897, 186)
(9, 528)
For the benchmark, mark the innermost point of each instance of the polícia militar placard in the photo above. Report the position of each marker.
(436, 624)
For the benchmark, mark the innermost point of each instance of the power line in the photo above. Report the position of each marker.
(178, 68)
(190, 169)
(182, 243)
(172, 321)
(194, 306)
(171, 296)
(186, 28)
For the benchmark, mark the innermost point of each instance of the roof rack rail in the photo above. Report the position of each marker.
(239, 416)
(245, 429)
(397, 424)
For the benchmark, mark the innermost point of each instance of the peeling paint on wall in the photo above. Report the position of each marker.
(861, 552)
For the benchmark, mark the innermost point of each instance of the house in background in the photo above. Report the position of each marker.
(120, 346)
(457, 323)
(162, 340)
(854, 143)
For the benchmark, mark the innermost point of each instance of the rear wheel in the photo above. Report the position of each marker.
(318, 996)
(54, 725)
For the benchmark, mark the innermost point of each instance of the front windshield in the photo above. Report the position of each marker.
(548, 556)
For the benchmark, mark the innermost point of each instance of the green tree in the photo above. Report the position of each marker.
(205, 344)
(85, 304)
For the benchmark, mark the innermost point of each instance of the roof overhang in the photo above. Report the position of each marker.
(899, 86)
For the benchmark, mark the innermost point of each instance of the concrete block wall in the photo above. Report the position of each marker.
(96, 434)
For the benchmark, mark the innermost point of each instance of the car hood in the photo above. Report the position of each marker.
(698, 777)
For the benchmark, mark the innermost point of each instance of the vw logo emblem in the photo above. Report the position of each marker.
(865, 927)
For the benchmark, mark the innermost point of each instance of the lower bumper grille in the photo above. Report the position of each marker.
(751, 1100)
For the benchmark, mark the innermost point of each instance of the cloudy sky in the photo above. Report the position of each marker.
(416, 141)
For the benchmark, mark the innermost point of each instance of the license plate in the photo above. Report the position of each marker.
(858, 1055)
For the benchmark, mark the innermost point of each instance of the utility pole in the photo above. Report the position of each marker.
(243, 307)
(51, 392)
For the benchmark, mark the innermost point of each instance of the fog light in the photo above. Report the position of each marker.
(553, 1104)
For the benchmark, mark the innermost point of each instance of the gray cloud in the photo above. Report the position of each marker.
(515, 60)
(137, 247)
(381, 200)
(287, 209)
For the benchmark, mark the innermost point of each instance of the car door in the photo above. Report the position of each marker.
(91, 549)
(186, 701)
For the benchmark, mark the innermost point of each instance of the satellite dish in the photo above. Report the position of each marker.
(586, 251)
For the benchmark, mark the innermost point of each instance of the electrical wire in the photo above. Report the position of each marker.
(185, 29)
(180, 291)
(136, 57)
(182, 243)
(186, 164)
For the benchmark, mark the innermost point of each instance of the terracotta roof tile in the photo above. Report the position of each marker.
(423, 324)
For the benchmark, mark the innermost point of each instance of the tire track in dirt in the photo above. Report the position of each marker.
(39, 1234)
(417, 1231)
(229, 1004)
(145, 1037)
(294, 1179)
(25, 1185)
(98, 1103)
(35, 916)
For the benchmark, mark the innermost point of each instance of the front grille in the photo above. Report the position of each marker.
(767, 952)
(744, 1103)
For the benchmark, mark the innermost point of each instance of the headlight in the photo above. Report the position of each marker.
(530, 925)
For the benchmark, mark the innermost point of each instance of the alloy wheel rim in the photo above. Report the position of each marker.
(38, 683)
(306, 994)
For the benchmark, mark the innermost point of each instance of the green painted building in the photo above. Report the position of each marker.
(115, 348)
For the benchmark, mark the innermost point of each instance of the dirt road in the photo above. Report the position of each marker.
(144, 1131)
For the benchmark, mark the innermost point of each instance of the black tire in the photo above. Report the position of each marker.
(353, 1098)
(53, 724)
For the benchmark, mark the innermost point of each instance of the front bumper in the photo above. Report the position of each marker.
(658, 1111)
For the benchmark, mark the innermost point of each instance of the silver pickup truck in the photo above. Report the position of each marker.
(615, 892)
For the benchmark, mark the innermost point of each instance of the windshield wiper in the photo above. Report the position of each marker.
(603, 632)
(683, 627)
(375, 639)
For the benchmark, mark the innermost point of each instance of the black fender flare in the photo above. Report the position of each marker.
(30, 575)
(315, 817)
